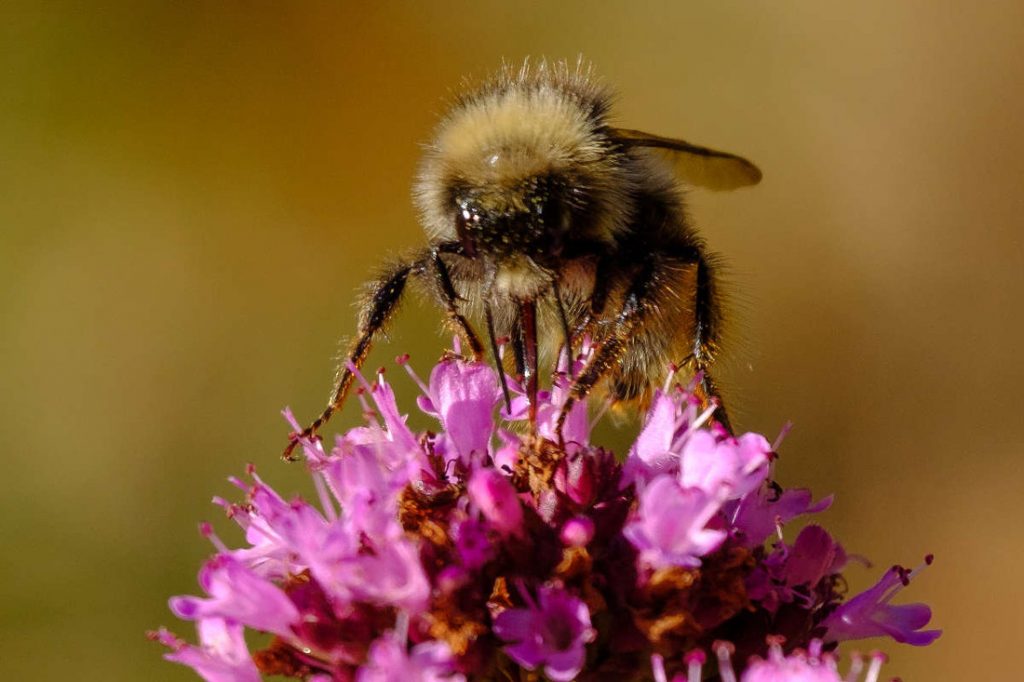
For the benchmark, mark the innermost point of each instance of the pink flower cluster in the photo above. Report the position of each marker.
(475, 552)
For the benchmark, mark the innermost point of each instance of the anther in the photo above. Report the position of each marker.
(694, 661)
(724, 651)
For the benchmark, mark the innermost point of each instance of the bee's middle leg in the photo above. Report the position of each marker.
(450, 298)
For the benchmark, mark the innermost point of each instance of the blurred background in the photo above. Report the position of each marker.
(181, 183)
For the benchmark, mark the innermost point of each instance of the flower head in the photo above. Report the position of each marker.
(552, 631)
(480, 553)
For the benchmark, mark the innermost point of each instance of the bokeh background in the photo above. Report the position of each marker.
(190, 192)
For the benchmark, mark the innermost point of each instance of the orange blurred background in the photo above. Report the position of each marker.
(181, 183)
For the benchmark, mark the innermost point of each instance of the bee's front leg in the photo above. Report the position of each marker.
(379, 304)
(450, 298)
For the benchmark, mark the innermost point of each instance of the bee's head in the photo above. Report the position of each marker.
(530, 216)
(522, 168)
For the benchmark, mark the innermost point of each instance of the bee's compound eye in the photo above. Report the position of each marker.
(467, 222)
(552, 219)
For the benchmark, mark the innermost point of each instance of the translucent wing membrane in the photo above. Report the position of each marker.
(696, 165)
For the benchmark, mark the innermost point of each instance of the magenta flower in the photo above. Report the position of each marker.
(462, 395)
(671, 442)
(472, 543)
(761, 513)
(480, 553)
(239, 595)
(671, 526)
(869, 614)
(221, 656)
(390, 661)
(814, 556)
(728, 467)
(657, 447)
(552, 631)
(494, 496)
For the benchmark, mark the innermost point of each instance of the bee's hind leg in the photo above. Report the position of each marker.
(640, 302)
(705, 336)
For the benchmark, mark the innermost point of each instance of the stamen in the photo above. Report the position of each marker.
(402, 627)
(724, 651)
(703, 416)
(325, 498)
(783, 432)
(403, 361)
(877, 659)
(672, 369)
(856, 667)
(602, 410)
(694, 661)
(206, 530)
(658, 668)
(368, 412)
(905, 577)
(358, 375)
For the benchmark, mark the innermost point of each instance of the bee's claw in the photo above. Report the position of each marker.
(289, 452)
(294, 438)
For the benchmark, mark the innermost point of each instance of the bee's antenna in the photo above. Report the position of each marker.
(564, 319)
(498, 364)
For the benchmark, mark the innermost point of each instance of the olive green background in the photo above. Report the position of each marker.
(191, 192)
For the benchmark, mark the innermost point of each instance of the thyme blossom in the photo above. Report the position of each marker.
(475, 553)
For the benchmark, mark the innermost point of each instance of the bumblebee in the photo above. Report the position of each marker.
(549, 224)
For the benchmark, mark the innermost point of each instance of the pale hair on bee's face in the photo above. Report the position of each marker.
(529, 143)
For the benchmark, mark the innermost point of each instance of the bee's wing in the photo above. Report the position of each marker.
(696, 165)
